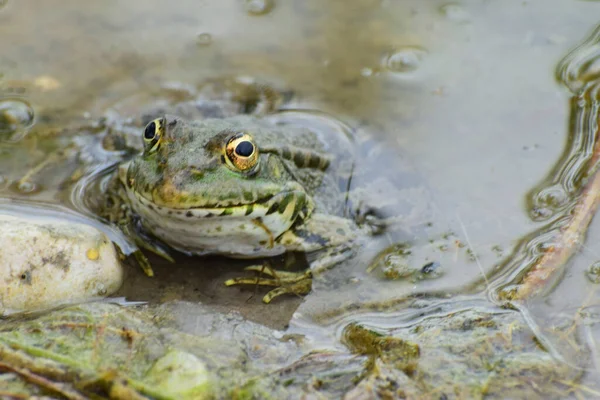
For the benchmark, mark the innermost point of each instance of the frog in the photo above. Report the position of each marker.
(239, 187)
(251, 185)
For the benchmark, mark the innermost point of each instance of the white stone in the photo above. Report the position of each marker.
(46, 262)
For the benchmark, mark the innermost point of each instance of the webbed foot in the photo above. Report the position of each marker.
(298, 283)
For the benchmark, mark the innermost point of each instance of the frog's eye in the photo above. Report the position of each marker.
(153, 134)
(242, 153)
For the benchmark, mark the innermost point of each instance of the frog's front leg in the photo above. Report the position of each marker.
(334, 237)
(115, 209)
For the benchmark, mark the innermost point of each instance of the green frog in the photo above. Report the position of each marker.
(242, 186)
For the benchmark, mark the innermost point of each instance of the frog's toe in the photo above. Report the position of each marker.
(252, 281)
(298, 283)
(298, 288)
(144, 263)
(284, 276)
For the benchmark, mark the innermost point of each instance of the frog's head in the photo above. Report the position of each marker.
(204, 164)
(189, 171)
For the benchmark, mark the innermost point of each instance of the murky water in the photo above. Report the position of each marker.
(488, 145)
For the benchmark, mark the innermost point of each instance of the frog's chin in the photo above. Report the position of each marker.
(245, 230)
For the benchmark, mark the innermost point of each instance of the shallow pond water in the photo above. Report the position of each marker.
(469, 100)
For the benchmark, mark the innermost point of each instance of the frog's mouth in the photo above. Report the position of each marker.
(287, 205)
(288, 200)
(254, 209)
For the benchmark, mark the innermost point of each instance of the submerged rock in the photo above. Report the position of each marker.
(471, 353)
(101, 350)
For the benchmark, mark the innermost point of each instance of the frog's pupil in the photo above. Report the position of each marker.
(244, 149)
(149, 131)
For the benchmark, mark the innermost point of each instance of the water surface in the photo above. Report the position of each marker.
(463, 94)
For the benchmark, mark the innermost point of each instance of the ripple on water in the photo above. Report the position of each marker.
(455, 12)
(26, 187)
(582, 65)
(43, 210)
(558, 191)
(560, 197)
(547, 201)
(259, 7)
(579, 71)
(16, 117)
(204, 39)
(404, 60)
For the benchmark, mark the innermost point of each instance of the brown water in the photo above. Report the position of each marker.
(463, 92)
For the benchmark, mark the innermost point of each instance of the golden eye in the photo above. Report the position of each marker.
(153, 134)
(242, 153)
